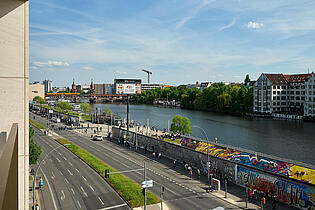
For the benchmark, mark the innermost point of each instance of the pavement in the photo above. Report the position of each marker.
(181, 192)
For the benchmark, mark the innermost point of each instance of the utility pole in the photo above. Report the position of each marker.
(148, 72)
(127, 113)
(144, 189)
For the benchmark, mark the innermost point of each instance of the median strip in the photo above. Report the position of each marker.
(126, 187)
(37, 125)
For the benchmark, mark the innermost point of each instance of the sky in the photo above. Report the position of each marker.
(180, 41)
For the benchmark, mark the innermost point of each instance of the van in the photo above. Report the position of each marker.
(55, 120)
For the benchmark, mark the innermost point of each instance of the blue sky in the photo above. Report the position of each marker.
(180, 41)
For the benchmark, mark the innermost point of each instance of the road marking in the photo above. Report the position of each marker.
(83, 191)
(67, 180)
(113, 207)
(194, 191)
(190, 190)
(77, 170)
(70, 163)
(59, 153)
(92, 188)
(70, 172)
(79, 204)
(84, 178)
(58, 159)
(53, 175)
(51, 193)
(44, 162)
(63, 195)
(72, 191)
(100, 200)
(64, 158)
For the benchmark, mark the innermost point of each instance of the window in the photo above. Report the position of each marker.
(283, 103)
(274, 92)
(274, 98)
(284, 87)
(278, 103)
(278, 92)
(274, 87)
(297, 92)
(292, 92)
(292, 98)
(278, 87)
(298, 98)
(274, 103)
(278, 97)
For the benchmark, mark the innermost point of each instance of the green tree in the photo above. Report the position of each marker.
(107, 110)
(223, 101)
(86, 107)
(64, 105)
(181, 125)
(34, 149)
(247, 79)
(39, 100)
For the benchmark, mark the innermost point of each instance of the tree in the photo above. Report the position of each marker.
(34, 149)
(246, 79)
(64, 105)
(181, 125)
(223, 101)
(85, 107)
(107, 110)
(39, 100)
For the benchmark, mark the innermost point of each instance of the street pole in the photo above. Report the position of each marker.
(161, 197)
(208, 163)
(168, 126)
(38, 169)
(225, 188)
(127, 113)
(145, 194)
(246, 197)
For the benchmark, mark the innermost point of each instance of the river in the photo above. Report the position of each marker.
(287, 139)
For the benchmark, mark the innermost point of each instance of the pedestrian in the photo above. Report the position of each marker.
(145, 150)
(263, 201)
(36, 207)
(190, 171)
(41, 183)
(153, 154)
(273, 202)
(174, 164)
(184, 163)
(250, 195)
(198, 174)
(160, 155)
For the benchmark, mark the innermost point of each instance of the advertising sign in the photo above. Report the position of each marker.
(128, 86)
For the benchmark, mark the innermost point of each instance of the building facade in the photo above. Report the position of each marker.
(309, 107)
(36, 90)
(48, 86)
(279, 93)
(145, 87)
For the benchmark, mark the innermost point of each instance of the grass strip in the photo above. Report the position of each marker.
(86, 117)
(37, 125)
(126, 187)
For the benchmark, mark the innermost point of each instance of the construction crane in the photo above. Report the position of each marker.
(148, 72)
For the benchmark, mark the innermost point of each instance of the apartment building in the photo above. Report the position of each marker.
(145, 87)
(279, 93)
(309, 107)
(104, 88)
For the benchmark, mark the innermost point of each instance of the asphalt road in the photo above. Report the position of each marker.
(69, 183)
(181, 192)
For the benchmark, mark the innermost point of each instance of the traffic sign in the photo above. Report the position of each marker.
(146, 184)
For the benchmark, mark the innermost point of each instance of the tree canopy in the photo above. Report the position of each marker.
(86, 107)
(107, 110)
(64, 105)
(39, 100)
(181, 125)
(34, 149)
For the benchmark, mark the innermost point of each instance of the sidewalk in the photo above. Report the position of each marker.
(31, 178)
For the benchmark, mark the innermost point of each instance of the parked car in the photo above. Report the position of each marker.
(97, 138)
(55, 120)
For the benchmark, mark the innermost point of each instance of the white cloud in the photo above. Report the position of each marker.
(87, 68)
(120, 72)
(254, 25)
(50, 63)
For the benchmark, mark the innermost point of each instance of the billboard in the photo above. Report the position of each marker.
(128, 86)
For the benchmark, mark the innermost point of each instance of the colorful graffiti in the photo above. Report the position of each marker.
(298, 195)
(253, 160)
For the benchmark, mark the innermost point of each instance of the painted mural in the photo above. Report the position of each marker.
(253, 160)
(298, 195)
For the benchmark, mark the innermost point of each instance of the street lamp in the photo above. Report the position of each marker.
(208, 164)
(38, 168)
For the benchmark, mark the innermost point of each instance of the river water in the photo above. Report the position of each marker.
(287, 139)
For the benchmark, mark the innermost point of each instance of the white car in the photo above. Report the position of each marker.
(55, 120)
(97, 138)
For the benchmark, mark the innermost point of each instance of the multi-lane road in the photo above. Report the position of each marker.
(69, 183)
(181, 192)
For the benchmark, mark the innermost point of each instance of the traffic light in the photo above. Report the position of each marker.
(106, 173)
(163, 189)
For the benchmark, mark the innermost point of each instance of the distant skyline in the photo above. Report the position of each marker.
(180, 41)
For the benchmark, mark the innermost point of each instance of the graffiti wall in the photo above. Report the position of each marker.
(253, 160)
(298, 195)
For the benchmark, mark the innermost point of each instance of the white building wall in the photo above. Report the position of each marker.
(309, 107)
(14, 80)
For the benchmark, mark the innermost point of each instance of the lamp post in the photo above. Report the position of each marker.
(38, 168)
(208, 164)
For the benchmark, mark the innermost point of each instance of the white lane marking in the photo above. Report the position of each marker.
(77, 170)
(100, 200)
(51, 193)
(64, 158)
(70, 163)
(44, 162)
(194, 191)
(79, 204)
(59, 153)
(83, 191)
(113, 207)
(53, 175)
(84, 178)
(190, 190)
(173, 181)
(72, 191)
(92, 188)
(58, 159)
(69, 172)
(63, 195)
(67, 180)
